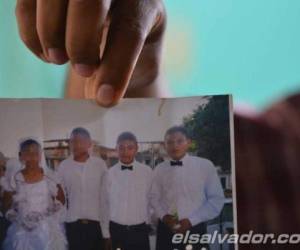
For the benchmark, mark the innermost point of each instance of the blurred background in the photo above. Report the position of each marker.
(247, 48)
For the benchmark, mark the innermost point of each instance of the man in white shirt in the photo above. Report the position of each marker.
(186, 192)
(128, 187)
(82, 178)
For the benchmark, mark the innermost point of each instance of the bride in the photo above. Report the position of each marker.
(35, 206)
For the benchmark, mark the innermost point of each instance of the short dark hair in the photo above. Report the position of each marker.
(27, 143)
(176, 129)
(80, 131)
(126, 136)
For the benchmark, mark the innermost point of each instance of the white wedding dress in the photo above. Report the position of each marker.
(36, 217)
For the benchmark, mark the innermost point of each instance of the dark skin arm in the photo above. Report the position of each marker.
(107, 244)
(60, 195)
(170, 221)
(185, 225)
(7, 201)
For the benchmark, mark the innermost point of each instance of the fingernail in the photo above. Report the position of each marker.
(57, 56)
(105, 95)
(84, 69)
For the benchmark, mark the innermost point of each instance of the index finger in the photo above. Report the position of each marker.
(85, 19)
(132, 21)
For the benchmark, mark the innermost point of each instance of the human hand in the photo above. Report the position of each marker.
(170, 221)
(267, 171)
(185, 225)
(61, 30)
(107, 244)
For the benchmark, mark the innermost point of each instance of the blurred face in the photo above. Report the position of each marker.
(177, 145)
(126, 151)
(31, 155)
(80, 145)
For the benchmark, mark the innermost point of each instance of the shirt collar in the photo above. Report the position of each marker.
(71, 157)
(133, 164)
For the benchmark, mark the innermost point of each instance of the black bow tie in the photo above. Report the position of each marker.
(123, 167)
(176, 163)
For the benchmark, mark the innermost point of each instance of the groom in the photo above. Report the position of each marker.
(81, 176)
(186, 192)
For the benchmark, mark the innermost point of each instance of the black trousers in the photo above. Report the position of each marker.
(129, 237)
(84, 235)
(4, 224)
(165, 236)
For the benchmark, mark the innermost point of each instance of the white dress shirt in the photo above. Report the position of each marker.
(128, 194)
(82, 183)
(13, 166)
(193, 190)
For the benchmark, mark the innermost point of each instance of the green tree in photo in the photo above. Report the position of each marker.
(210, 131)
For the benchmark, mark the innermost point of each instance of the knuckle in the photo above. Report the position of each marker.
(98, 4)
(138, 17)
(51, 37)
(83, 54)
(162, 14)
(77, 55)
(136, 30)
(23, 7)
(132, 27)
(132, 18)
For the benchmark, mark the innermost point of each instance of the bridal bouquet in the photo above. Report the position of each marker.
(31, 220)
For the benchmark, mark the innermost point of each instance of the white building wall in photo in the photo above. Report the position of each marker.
(19, 119)
(55, 118)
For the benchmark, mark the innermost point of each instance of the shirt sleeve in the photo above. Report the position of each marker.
(4, 184)
(13, 181)
(104, 204)
(155, 194)
(9, 181)
(214, 199)
(59, 176)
